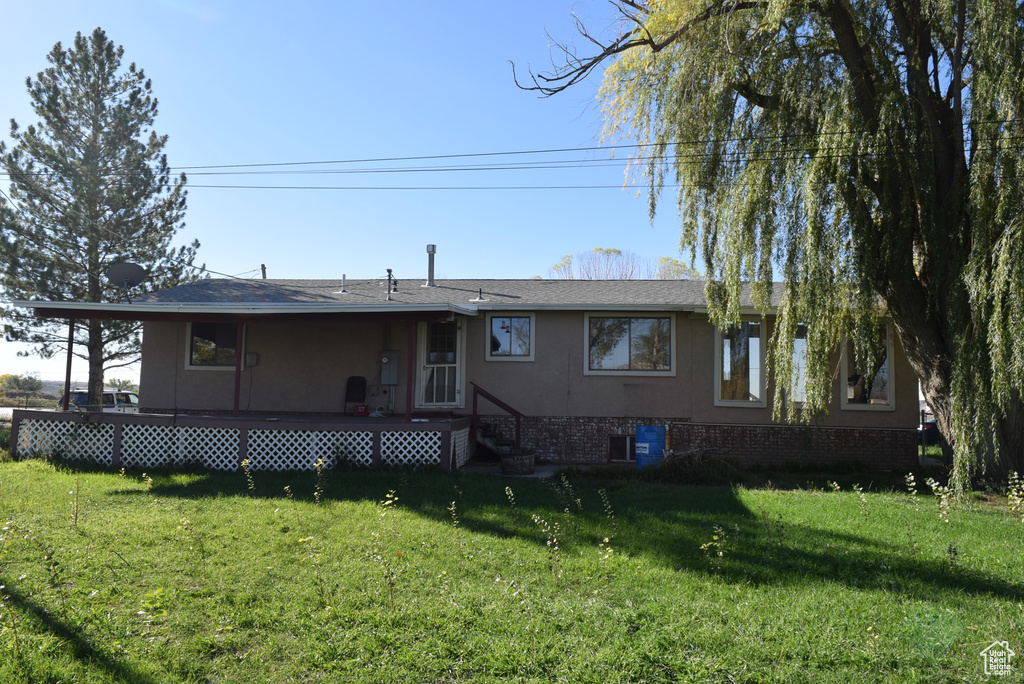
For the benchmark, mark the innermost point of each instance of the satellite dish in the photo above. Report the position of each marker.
(126, 276)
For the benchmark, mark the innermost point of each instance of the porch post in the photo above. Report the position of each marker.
(410, 374)
(238, 367)
(67, 373)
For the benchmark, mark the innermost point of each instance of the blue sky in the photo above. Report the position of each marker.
(246, 83)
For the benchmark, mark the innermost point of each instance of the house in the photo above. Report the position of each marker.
(568, 368)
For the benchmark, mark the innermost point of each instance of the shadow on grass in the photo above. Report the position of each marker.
(81, 648)
(667, 524)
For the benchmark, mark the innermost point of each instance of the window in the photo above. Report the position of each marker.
(127, 399)
(799, 362)
(630, 345)
(511, 337)
(739, 359)
(869, 379)
(212, 345)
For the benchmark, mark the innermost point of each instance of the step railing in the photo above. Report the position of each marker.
(478, 392)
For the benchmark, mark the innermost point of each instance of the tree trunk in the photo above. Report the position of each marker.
(934, 370)
(95, 348)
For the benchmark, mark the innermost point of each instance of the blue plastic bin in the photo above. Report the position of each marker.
(650, 445)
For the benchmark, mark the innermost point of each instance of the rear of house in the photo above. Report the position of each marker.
(583, 363)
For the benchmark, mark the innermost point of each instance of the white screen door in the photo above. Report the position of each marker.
(441, 350)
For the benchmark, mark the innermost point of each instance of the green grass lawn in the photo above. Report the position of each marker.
(454, 578)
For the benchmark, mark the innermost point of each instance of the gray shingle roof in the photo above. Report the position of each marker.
(497, 294)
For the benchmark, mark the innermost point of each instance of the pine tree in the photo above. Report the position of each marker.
(89, 188)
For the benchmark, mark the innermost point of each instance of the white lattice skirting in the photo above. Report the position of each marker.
(76, 441)
(460, 444)
(301, 449)
(219, 448)
(410, 448)
(152, 446)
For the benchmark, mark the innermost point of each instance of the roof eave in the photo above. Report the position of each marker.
(151, 310)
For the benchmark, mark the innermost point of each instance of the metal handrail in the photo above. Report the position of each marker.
(480, 391)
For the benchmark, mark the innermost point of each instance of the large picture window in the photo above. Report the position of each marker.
(630, 345)
(212, 345)
(739, 363)
(511, 337)
(868, 375)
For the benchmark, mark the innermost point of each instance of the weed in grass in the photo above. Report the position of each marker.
(862, 500)
(56, 577)
(835, 486)
(715, 549)
(324, 592)
(606, 551)
(249, 482)
(318, 488)
(912, 539)
(944, 496)
(455, 523)
(953, 554)
(552, 532)
(454, 514)
(122, 474)
(774, 529)
(195, 547)
(149, 482)
(606, 503)
(1015, 495)
(911, 484)
(74, 500)
(511, 497)
(295, 509)
(565, 493)
(383, 544)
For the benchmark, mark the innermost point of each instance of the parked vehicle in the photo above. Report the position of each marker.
(928, 431)
(114, 401)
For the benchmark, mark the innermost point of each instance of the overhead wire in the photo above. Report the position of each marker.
(730, 154)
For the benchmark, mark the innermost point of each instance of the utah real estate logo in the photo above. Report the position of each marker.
(997, 658)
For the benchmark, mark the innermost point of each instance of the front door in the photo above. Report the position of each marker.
(441, 376)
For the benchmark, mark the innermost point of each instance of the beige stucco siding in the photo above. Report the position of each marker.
(554, 384)
(303, 367)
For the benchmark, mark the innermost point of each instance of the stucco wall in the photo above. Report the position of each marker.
(303, 367)
(555, 384)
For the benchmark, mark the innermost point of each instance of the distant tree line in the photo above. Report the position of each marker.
(27, 383)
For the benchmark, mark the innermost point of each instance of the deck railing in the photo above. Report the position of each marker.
(222, 443)
(479, 391)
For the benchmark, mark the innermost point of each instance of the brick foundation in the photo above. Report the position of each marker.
(586, 440)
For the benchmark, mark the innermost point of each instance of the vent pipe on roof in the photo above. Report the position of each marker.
(431, 250)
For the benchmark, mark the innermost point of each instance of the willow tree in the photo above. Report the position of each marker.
(89, 188)
(868, 154)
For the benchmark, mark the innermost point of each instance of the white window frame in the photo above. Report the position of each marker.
(188, 350)
(673, 343)
(803, 375)
(844, 403)
(762, 380)
(488, 356)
